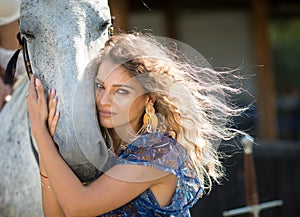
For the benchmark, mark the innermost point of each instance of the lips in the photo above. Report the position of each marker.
(106, 113)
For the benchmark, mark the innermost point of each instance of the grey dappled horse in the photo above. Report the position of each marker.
(63, 38)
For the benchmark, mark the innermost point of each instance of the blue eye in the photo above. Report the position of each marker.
(99, 85)
(122, 91)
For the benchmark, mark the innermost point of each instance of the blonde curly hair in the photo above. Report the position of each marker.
(190, 97)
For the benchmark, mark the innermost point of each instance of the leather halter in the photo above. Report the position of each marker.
(11, 66)
(10, 74)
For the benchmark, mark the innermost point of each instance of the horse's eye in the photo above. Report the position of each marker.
(104, 25)
(28, 34)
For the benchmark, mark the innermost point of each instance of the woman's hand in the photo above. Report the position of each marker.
(37, 107)
(53, 115)
(42, 116)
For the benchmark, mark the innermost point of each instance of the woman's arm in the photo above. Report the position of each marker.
(112, 190)
(51, 207)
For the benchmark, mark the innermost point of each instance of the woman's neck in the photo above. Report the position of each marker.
(117, 142)
(123, 135)
(114, 136)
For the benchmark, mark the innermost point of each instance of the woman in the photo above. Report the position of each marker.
(159, 118)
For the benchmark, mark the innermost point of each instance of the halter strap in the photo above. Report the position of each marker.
(26, 57)
(12, 64)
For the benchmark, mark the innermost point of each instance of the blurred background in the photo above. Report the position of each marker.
(262, 38)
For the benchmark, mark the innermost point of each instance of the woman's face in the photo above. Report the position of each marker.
(120, 99)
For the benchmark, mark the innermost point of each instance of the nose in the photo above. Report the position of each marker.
(104, 97)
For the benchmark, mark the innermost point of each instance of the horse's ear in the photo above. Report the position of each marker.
(11, 68)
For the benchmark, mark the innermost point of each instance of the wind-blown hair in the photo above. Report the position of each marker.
(189, 97)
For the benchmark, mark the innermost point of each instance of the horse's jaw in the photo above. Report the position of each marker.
(81, 143)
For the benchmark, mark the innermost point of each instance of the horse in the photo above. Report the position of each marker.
(64, 38)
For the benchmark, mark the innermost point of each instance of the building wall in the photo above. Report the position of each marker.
(222, 37)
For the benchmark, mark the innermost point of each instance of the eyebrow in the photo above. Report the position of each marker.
(117, 85)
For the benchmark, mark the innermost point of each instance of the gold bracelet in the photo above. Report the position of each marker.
(44, 185)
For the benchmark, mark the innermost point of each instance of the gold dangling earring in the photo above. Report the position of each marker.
(150, 119)
(111, 28)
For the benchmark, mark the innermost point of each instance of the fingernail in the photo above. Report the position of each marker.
(37, 81)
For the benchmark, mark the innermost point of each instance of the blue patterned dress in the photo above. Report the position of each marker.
(160, 151)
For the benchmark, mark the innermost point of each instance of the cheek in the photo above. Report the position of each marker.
(122, 103)
(137, 107)
(128, 101)
(132, 105)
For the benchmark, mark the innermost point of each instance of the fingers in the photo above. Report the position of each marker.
(52, 103)
(53, 124)
(31, 90)
(41, 113)
(36, 90)
(53, 115)
(40, 91)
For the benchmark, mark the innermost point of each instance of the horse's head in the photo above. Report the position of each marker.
(64, 38)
